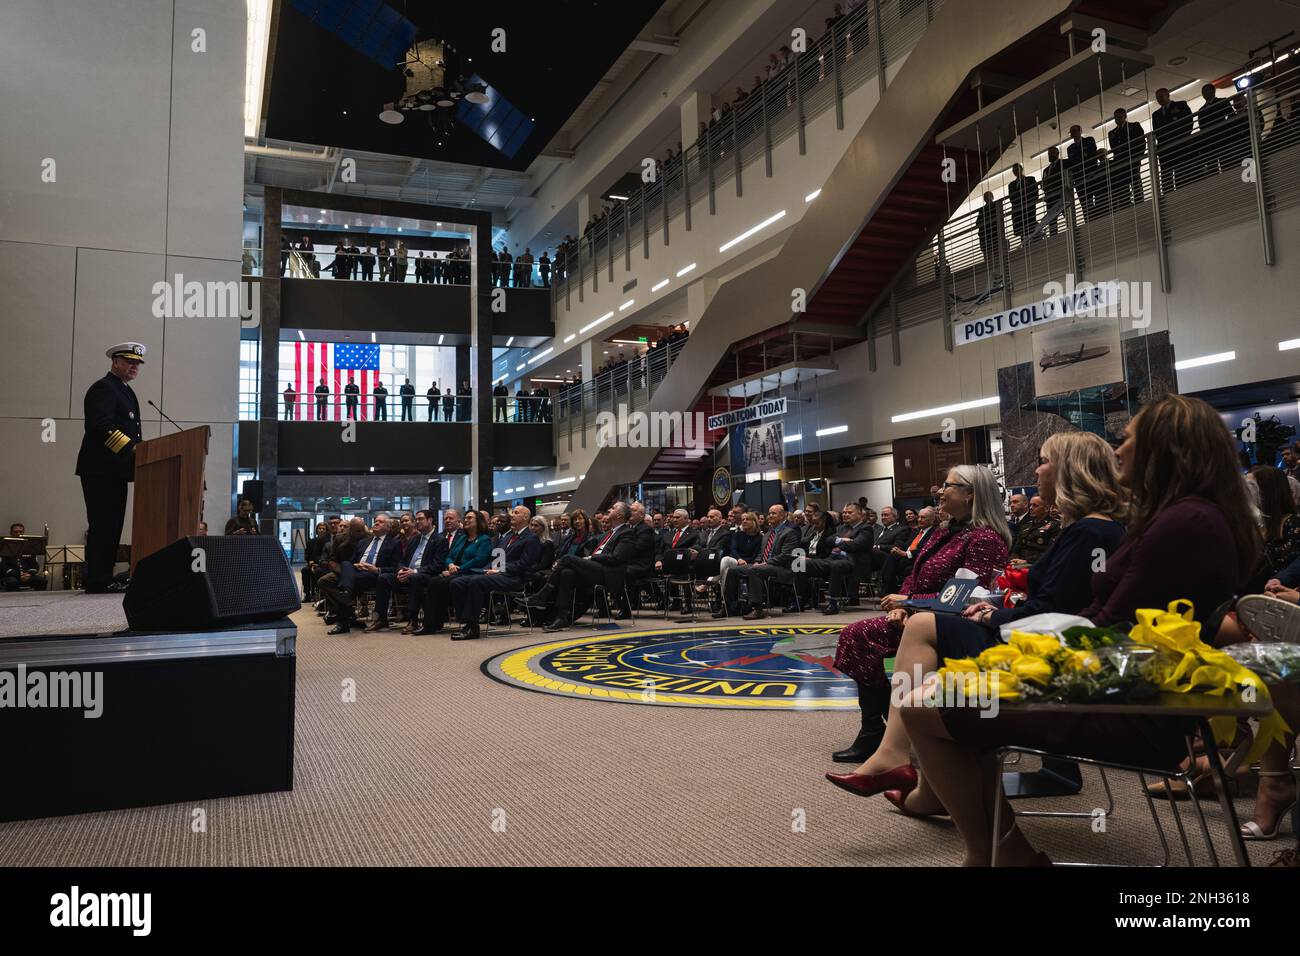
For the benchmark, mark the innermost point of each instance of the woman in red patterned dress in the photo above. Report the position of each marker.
(975, 537)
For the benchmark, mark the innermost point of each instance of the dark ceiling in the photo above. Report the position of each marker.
(556, 53)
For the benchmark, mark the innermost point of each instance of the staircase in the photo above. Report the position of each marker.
(874, 210)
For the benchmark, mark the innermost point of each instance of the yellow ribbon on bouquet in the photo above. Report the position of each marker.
(1189, 665)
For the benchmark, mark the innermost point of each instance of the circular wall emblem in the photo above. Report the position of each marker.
(757, 668)
(721, 486)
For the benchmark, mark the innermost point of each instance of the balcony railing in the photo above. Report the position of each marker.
(857, 48)
(334, 406)
(1223, 168)
(629, 384)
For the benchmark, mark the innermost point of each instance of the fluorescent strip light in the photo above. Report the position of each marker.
(751, 231)
(833, 430)
(510, 341)
(626, 342)
(560, 481)
(440, 338)
(682, 272)
(944, 409)
(591, 325)
(626, 305)
(301, 337)
(372, 337)
(659, 285)
(1288, 345)
(797, 436)
(619, 198)
(538, 485)
(540, 355)
(519, 368)
(580, 477)
(259, 26)
(812, 195)
(372, 467)
(507, 467)
(570, 337)
(300, 471)
(440, 467)
(1214, 359)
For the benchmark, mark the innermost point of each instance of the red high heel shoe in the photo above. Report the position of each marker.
(901, 778)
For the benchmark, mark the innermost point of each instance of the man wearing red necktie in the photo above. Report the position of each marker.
(775, 557)
(674, 543)
(614, 550)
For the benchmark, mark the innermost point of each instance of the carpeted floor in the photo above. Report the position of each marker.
(60, 612)
(437, 764)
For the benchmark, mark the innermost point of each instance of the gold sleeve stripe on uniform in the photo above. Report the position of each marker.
(116, 441)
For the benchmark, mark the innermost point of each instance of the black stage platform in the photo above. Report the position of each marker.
(143, 717)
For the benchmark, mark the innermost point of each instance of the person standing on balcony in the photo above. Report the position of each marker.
(322, 401)
(449, 403)
(385, 260)
(1023, 192)
(506, 260)
(381, 402)
(398, 273)
(366, 260)
(408, 401)
(1172, 123)
(433, 395)
(350, 395)
(463, 400)
(354, 259)
(544, 269)
(1128, 144)
(521, 404)
(524, 269)
(290, 396)
(1053, 189)
(500, 394)
(1081, 161)
(986, 227)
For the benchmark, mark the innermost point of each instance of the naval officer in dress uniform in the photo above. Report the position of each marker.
(106, 462)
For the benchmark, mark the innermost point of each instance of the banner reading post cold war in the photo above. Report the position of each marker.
(1086, 299)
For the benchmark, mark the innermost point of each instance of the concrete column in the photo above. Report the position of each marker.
(481, 335)
(696, 109)
(268, 427)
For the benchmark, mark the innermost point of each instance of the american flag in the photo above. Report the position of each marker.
(313, 361)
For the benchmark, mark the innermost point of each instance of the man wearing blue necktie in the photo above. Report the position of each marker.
(775, 557)
(427, 557)
(378, 555)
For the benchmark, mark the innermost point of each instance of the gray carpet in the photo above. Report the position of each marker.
(433, 753)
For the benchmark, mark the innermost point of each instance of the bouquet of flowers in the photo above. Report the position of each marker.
(1162, 653)
(1013, 582)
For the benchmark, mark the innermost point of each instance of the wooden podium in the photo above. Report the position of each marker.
(168, 490)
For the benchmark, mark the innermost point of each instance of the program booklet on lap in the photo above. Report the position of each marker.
(950, 600)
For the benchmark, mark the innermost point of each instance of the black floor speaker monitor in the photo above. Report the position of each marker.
(205, 582)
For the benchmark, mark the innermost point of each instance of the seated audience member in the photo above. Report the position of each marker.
(626, 581)
(546, 554)
(1280, 524)
(23, 571)
(311, 567)
(772, 565)
(673, 545)
(426, 558)
(1036, 534)
(203, 528)
(336, 593)
(518, 551)
(712, 544)
(579, 539)
(612, 553)
(470, 550)
(243, 521)
(854, 540)
(746, 542)
(975, 537)
(1077, 475)
(372, 558)
(1190, 535)
(817, 563)
(893, 534)
(901, 556)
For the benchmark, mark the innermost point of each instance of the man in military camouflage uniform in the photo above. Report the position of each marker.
(106, 462)
(1036, 534)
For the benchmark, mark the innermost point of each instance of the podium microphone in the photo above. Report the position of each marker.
(164, 414)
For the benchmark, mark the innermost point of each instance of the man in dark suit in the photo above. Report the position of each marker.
(408, 401)
(1081, 162)
(1018, 509)
(895, 532)
(106, 461)
(988, 231)
(626, 582)
(1023, 193)
(775, 556)
(673, 544)
(514, 558)
(381, 402)
(350, 394)
(500, 393)
(313, 554)
(851, 562)
(1053, 188)
(339, 555)
(614, 551)
(901, 557)
(1128, 144)
(322, 401)
(21, 571)
(1172, 124)
(712, 542)
(370, 559)
(427, 557)
(1211, 132)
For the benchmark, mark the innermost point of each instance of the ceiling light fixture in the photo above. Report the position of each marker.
(812, 195)
(944, 409)
(682, 272)
(751, 231)
(1200, 360)
(659, 285)
(509, 341)
(570, 337)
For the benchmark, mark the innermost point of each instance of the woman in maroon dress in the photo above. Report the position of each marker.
(976, 537)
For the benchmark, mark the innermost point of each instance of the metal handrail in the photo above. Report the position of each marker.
(848, 55)
(630, 384)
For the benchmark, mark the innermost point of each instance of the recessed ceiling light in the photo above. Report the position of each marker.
(1129, 91)
(1178, 61)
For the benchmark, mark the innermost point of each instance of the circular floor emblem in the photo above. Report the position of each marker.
(746, 667)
